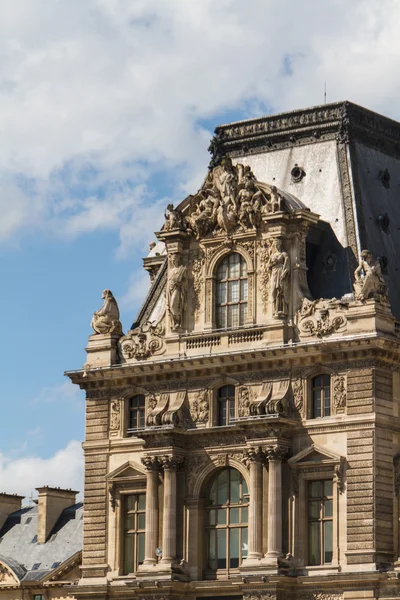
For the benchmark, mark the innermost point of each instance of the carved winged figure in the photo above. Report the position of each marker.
(173, 218)
(106, 320)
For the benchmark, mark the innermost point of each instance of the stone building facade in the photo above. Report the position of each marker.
(243, 437)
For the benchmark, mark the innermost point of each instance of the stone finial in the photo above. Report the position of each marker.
(106, 320)
(369, 281)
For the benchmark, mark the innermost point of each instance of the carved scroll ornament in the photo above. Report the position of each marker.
(144, 341)
(106, 320)
(321, 317)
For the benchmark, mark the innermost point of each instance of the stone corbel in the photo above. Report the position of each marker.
(280, 397)
(113, 494)
(257, 406)
(155, 415)
(175, 415)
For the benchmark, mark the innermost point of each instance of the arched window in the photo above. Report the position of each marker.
(226, 404)
(321, 396)
(226, 520)
(231, 292)
(137, 412)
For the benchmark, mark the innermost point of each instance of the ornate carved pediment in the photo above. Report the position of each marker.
(273, 398)
(230, 200)
(178, 409)
(322, 317)
(143, 342)
(156, 409)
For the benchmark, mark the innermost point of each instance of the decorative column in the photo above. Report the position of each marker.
(170, 465)
(152, 466)
(256, 457)
(275, 455)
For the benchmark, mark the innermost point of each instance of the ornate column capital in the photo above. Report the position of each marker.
(169, 462)
(151, 463)
(276, 452)
(255, 455)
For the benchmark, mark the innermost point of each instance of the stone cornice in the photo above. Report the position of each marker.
(288, 356)
(341, 121)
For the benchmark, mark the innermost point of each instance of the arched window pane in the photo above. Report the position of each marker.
(231, 291)
(227, 521)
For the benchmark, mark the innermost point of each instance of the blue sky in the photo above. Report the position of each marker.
(106, 111)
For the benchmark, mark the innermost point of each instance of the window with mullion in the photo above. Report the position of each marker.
(320, 522)
(137, 412)
(227, 521)
(231, 292)
(226, 404)
(321, 396)
(134, 519)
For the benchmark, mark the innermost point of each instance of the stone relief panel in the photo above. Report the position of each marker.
(200, 406)
(116, 407)
(339, 393)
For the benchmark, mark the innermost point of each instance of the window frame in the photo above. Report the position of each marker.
(321, 519)
(231, 406)
(123, 497)
(310, 394)
(223, 323)
(226, 507)
(140, 414)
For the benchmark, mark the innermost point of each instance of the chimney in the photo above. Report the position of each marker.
(9, 503)
(51, 503)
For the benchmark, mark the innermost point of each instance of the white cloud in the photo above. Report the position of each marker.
(22, 475)
(105, 92)
(65, 392)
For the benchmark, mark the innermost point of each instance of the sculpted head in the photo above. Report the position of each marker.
(107, 294)
(175, 259)
(367, 256)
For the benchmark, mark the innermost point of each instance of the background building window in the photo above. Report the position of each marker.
(226, 404)
(134, 518)
(226, 520)
(321, 396)
(320, 522)
(137, 412)
(231, 292)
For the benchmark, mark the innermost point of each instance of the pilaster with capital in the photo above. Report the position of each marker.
(275, 454)
(152, 466)
(170, 464)
(255, 458)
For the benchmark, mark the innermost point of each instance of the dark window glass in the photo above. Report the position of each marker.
(321, 396)
(137, 412)
(320, 522)
(226, 404)
(134, 531)
(226, 520)
(231, 292)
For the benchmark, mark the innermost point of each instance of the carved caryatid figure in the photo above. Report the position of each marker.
(176, 294)
(279, 266)
(106, 320)
(369, 282)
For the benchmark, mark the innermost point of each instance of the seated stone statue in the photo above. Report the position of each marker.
(106, 320)
(369, 282)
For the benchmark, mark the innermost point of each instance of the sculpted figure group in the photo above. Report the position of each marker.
(230, 199)
(369, 281)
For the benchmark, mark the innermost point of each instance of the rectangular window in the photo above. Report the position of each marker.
(321, 396)
(134, 517)
(320, 522)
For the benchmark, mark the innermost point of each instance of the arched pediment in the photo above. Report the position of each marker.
(11, 572)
